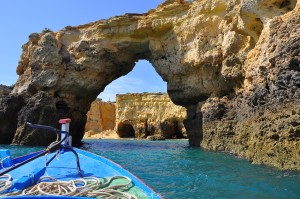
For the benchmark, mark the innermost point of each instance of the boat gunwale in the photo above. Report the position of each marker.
(147, 190)
(141, 184)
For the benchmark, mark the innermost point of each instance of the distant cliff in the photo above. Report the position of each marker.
(101, 116)
(141, 115)
(136, 116)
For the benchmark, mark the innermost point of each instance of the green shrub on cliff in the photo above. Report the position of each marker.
(47, 30)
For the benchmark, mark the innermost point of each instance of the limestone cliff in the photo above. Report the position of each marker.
(262, 122)
(101, 116)
(233, 64)
(141, 115)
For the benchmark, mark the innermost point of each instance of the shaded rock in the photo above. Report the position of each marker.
(171, 129)
(193, 124)
(5, 90)
(10, 105)
(39, 107)
(155, 137)
(125, 130)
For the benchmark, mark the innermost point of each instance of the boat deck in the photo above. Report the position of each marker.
(63, 167)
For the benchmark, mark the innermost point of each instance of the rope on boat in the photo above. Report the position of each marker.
(87, 186)
(5, 182)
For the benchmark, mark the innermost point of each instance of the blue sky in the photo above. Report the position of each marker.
(19, 18)
(143, 78)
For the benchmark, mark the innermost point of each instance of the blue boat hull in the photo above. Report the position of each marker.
(63, 167)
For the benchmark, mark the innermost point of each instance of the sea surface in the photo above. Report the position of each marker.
(177, 171)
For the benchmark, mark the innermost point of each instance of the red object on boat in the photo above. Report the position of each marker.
(65, 121)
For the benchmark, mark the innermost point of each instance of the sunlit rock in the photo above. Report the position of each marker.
(233, 64)
(145, 114)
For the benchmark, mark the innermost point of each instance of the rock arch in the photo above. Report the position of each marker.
(219, 58)
(72, 66)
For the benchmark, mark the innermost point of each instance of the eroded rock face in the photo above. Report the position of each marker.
(233, 64)
(261, 122)
(39, 107)
(10, 105)
(101, 116)
(145, 114)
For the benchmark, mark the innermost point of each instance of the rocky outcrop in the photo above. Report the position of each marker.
(143, 114)
(262, 122)
(10, 105)
(101, 116)
(5, 90)
(233, 64)
(155, 137)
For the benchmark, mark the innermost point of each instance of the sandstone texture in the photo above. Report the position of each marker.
(262, 121)
(101, 116)
(233, 64)
(107, 134)
(145, 114)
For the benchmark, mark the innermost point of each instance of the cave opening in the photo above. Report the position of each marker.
(170, 129)
(125, 130)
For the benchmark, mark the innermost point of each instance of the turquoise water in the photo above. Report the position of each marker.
(177, 171)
